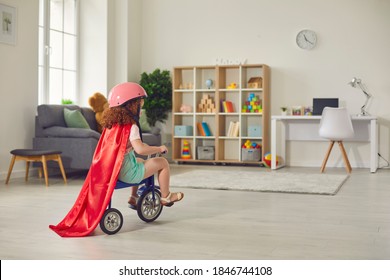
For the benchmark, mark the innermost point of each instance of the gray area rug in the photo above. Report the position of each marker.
(287, 182)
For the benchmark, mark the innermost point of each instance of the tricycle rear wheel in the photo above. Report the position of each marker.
(111, 221)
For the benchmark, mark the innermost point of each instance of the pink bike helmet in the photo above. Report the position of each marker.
(124, 92)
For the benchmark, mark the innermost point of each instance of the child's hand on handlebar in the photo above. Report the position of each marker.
(163, 149)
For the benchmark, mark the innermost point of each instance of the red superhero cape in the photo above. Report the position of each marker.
(99, 184)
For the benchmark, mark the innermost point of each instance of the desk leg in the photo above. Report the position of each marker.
(273, 144)
(274, 138)
(283, 145)
(374, 146)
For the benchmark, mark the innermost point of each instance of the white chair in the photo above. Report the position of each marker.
(336, 125)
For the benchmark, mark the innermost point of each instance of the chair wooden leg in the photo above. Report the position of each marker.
(327, 156)
(61, 168)
(11, 166)
(345, 157)
(27, 170)
(44, 163)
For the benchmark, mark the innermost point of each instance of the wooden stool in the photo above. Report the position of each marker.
(36, 156)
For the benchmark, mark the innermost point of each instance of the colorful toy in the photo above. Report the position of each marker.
(185, 154)
(251, 151)
(232, 86)
(267, 160)
(252, 104)
(250, 145)
(185, 108)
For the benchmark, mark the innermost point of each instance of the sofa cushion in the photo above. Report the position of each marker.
(75, 119)
(68, 132)
(151, 139)
(53, 115)
(89, 115)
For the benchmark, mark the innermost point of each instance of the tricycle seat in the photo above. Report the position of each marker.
(148, 182)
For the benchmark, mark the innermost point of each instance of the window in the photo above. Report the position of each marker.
(57, 51)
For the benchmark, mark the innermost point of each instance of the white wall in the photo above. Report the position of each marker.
(353, 40)
(134, 40)
(117, 42)
(93, 42)
(19, 84)
(110, 40)
(110, 45)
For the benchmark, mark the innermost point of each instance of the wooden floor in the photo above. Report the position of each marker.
(207, 224)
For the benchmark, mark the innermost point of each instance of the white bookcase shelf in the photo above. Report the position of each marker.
(189, 88)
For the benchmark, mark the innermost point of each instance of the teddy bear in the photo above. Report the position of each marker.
(98, 103)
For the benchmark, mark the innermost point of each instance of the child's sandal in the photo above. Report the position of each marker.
(167, 200)
(133, 202)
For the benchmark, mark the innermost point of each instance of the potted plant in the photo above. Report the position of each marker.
(284, 111)
(158, 86)
(66, 101)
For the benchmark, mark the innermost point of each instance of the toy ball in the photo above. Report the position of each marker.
(267, 160)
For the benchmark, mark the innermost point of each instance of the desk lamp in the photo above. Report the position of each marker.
(358, 82)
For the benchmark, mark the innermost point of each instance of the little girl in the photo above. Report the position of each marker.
(125, 103)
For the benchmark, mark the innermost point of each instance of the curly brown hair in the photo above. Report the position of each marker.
(120, 115)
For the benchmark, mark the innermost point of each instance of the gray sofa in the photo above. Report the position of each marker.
(76, 144)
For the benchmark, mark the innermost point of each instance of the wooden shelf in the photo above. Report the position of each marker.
(189, 89)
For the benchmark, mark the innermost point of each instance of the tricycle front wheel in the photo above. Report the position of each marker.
(149, 207)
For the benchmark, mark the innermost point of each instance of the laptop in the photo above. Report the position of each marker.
(320, 103)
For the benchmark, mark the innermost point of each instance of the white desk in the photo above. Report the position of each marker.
(306, 128)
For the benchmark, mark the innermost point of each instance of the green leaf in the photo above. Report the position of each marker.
(158, 86)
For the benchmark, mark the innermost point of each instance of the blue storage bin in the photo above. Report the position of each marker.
(255, 131)
(184, 130)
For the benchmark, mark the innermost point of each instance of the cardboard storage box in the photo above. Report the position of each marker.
(206, 152)
(183, 130)
(255, 131)
(251, 154)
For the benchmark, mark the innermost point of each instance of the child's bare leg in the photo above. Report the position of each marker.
(134, 189)
(161, 166)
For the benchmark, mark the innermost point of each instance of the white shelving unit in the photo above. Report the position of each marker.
(189, 87)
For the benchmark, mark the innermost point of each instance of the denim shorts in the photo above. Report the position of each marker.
(131, 170)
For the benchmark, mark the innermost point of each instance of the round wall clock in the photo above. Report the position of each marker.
(306, 39)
